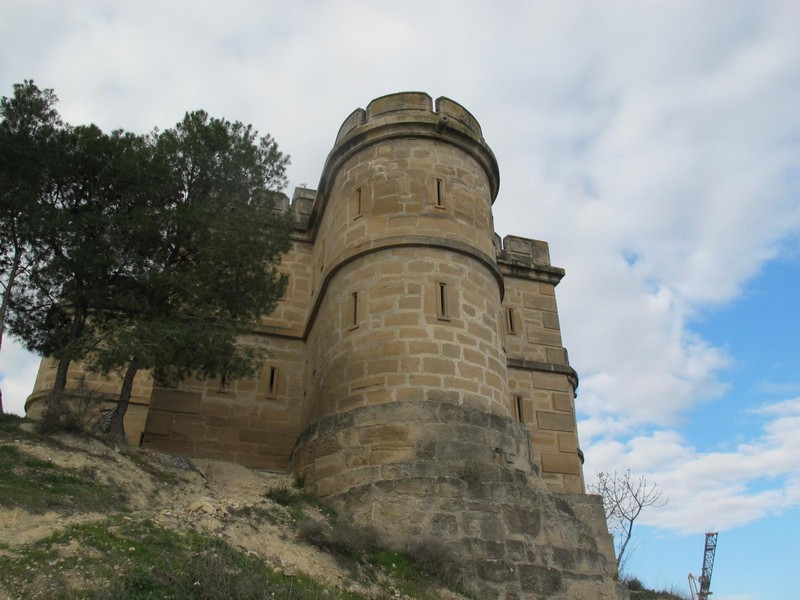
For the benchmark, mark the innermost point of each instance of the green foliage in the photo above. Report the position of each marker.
(634, 584)
(151, 251)
(129, 559)
(407, 575)
(10, 423)
(29, 126)
(38, 486)
(284, 496)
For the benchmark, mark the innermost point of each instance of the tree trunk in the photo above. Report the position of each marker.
(60, 383)
(116, 429)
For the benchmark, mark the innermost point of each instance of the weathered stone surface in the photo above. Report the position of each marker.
(545, 581)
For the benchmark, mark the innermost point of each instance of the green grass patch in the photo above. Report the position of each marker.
(38, 486)
(407, 576)
(127, 559)
(10, 423)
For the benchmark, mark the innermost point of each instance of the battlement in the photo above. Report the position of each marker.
(411, 106)
(407, 115)
(522, 250)
(300, 207)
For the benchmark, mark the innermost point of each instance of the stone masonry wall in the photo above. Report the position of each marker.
(399, 347)
(434, 470)
(416, 376)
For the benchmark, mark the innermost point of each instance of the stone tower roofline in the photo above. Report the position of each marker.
(403, 115)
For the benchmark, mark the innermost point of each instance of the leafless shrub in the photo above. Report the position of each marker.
(71, 412)
(343, 538)
(437, 558)
(624, 499)
(352, 539)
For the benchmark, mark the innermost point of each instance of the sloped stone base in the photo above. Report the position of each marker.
(462, 476)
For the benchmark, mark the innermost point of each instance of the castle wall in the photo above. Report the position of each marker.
(541, 381)
(254, 422)
(290, 317)
(416, 376)
(410, 293)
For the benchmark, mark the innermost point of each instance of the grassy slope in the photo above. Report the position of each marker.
(107, 547)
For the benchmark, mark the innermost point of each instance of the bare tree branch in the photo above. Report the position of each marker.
(624, 499)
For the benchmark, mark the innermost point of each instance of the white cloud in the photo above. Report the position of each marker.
(18, 369)
(655, 146)
(713, 491)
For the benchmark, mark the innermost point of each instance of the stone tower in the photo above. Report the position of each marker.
(435, 355)
(417, 377)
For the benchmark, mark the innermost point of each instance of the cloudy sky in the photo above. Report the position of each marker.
(655, 145)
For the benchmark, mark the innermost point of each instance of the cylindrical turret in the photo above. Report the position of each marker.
(407, 290)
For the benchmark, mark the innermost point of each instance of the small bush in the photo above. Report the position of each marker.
(354, 540)
(295, 501)
(10, 423)
(71, 412)
(283, 496)
(437, 558)
(634, 584)
(316, 533)
(343, 538)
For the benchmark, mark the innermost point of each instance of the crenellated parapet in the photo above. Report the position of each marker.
(407, 115)
(528, 258)
(300, 207)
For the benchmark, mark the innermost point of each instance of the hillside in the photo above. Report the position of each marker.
(82, 519)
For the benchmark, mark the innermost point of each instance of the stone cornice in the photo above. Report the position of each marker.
(545, 367)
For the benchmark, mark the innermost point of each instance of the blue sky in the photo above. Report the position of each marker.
(654, 145)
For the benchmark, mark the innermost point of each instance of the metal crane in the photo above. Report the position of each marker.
(704, 580)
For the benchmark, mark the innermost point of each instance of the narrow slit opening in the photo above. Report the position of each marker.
(354, 310)
(272, 384)
(511, 321)
(443, 308)
(223, 384)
